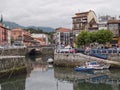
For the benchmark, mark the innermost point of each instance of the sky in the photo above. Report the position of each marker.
(54, 13)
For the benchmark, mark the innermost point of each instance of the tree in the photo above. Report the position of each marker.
(83, 38)
(93, 37)
(104, 36)
(101, 37)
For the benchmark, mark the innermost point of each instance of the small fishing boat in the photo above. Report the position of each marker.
(96, 65)
(89, 66)
(83, 68)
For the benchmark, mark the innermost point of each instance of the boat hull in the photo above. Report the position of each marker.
(83, 69)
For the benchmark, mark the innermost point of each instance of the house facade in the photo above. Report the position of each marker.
(84, 21)
(103, 20)
(41, 39)
(21, 37)
(63, 36)
(3, 35)
(114, 27)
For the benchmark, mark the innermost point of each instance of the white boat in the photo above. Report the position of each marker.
(90, 66)
(96, 65)
(50, 60)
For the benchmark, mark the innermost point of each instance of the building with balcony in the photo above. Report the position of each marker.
(84, 21)
(63, 36)
(114, 27)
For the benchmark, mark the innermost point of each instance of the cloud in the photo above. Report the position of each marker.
(53, 13)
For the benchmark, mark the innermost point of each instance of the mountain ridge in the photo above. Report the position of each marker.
(13, 25)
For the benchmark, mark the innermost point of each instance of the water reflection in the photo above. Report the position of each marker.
(43, 76)
(14, 83)
(97, 80)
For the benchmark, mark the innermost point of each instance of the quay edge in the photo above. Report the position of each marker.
(77, 59)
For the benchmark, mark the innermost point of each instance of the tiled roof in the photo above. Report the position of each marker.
(82, 14)
(17, 29)
(113, 21)
(64, 30)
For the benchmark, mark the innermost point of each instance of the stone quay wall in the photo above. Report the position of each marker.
(13, 52)
(12, 62)
(77, 59)
(12, 65)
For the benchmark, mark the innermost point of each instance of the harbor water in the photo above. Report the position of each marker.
(43, 76)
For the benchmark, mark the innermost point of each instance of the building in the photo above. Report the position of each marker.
(63, 36)
(102, 21)
(41, 39)
(114, 27)
(3, 35)
(21, 37)
(84, 21)
(102, 25)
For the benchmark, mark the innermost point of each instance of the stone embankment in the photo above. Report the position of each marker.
(12, 61)
(13, 52)
(77, 59)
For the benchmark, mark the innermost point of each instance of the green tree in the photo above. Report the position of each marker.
(101, 37)
(93, 37)
(104, 36)
(83, 38)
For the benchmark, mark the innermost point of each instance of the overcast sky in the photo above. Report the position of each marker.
(54, 13)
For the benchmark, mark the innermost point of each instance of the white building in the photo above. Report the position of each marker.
(43, 38)
(63, 36)
(102, 21)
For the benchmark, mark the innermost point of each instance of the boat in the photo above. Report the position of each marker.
(50, 60)
(99, 55)
(96, 65)
(83, 68)
(89, 66)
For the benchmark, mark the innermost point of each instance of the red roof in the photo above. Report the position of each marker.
(64, 30)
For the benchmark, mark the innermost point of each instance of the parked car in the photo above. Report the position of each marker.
(66, 50)
(73, 50)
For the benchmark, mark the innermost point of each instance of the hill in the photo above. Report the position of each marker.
(12, 25)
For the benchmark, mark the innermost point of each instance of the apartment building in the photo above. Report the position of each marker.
(84, 21)
(102, 21)
(3, 35)
(63, 36)
(114, 27)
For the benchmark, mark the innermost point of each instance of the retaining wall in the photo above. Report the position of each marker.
(77, 59)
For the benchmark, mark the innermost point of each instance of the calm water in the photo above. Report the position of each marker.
(47, 77)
